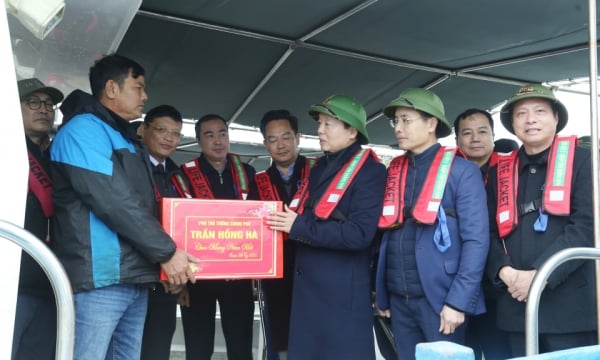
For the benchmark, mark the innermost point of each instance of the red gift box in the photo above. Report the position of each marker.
(230, 237)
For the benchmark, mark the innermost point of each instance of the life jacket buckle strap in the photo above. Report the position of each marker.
(530, 206)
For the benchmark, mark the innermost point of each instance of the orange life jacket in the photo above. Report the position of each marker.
(557, 188)
(429, 200)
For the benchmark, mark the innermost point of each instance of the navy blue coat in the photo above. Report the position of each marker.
(452, 277)
(331, 306)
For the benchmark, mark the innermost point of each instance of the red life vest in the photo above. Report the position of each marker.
(493, 161)
(429, 200)
(507, 179)
(40, 185)
(200, 184)
(336, 189)
(267, 190)
(557, 188)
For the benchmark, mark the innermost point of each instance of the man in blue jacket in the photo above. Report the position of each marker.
(107, 235)
(433, 253)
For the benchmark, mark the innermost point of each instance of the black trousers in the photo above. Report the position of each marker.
(236, 303)
(159, 326)
(35, 328)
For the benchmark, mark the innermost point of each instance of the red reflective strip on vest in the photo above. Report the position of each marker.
(557, 191)
(429, 201)
(336, 189)
(198, 181)
(507, 217)
(393, 197)
(40, 185)
(266, 190)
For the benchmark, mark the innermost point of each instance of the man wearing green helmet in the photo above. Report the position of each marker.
(334, 225)
(539, 203)
(433, 251)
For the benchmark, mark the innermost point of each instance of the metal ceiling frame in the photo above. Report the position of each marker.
(293, 44)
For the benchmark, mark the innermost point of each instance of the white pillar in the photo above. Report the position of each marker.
(13, 191)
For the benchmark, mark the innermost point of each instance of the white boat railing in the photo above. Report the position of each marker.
(58, 279)
(537, 286)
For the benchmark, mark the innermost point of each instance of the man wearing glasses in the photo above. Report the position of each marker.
(435, 243)
(161, 132)
(35, 321)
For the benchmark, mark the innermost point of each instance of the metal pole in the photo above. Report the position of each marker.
(594, 139)
(65, 334)
(537, 286)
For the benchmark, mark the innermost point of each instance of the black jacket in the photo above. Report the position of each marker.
(107, 232)
(32, 279)
(222, 185)
(279, 291)
(163, 181)
(567, 303)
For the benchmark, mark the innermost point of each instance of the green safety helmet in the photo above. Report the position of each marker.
(423, 100)
(533, 91)
(346, 109)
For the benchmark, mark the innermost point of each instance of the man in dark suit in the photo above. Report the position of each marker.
(280, 183)
(432, 256)
(218, 174)
(161, 132)
(474, 131)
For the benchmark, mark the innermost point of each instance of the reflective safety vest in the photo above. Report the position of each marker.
(335, 191)
(428, 203)
(557, 189)
(201, 186)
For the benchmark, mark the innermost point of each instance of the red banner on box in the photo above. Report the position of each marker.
(229, 237)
